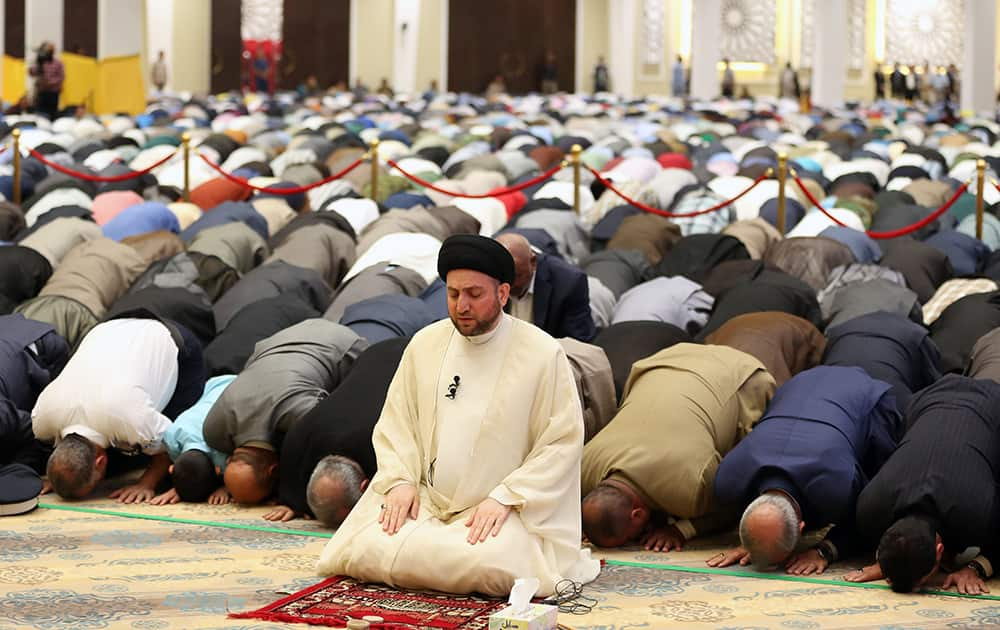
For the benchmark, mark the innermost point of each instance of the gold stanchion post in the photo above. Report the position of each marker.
(980, 180)
(373, 158)
(782, 181)
(17, 165)
(575, 152)
(186, 143)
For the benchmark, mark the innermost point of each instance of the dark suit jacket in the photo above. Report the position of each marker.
(341, 424)
(562, 300)
(826, 432)
(24, 373)
(890, 347)
(945, 469)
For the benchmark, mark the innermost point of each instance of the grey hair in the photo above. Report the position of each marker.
(72, 467)
(347, 476)
(762, 551)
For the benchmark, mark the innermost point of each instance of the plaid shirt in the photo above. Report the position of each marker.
(711, 223)
(51, 78)
(952, 291)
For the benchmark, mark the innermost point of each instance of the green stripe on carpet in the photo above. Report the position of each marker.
(184, 521)
(783, 577)
(621, 563)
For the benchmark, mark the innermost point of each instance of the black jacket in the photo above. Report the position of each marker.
(946, 468)
(561, 302)
(341, 424)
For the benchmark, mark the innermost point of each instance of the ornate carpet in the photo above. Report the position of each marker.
(62, 569)
(336, 600)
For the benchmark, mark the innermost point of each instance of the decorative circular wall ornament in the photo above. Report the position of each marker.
(931, 30)
(747, 32)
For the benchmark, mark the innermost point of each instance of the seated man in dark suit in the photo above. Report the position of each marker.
(327, 458)
(825, 434)
(936, 497)
(549, 292)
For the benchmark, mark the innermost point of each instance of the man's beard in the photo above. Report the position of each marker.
(481, 325)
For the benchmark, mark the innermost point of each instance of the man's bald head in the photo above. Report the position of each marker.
(525, 261)
(611, 518)
(251, 474)
(770, 530)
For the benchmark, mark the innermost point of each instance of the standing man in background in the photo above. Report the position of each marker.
(728, 80)
(602, 80)
(789, 86)
(879, 83)
(550, 74)
(897, 82)
(678, 80)
(159, 73)
(49, 74)
(262, 72)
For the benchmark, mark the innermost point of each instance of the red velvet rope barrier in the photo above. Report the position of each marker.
(494, 193)
(675, 215)
(97, 178)
(903, 231)
(280, 191)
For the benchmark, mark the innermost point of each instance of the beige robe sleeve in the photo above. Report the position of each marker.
(396, 438)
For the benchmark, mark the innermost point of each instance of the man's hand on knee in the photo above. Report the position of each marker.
(487, 519)
(400, 502)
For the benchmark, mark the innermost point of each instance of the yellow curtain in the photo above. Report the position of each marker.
(119, 86)
(81, 81)
(13, 79)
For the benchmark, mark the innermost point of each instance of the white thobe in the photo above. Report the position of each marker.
(113, 389)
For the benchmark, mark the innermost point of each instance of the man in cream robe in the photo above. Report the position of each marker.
(479, 420)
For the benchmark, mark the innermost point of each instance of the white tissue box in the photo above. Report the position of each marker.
(536, 617)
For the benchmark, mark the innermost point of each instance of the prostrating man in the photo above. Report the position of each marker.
(478, 450)
(985, 359)
(327, 458)
(287, 375)
(784, 343)
(627, 342)
(113, 393)
(31, 355)
(648, 475)
(890, 347)
(548, 292)
(937, 494)
(196, 467)
(825, 434)
(594, 382)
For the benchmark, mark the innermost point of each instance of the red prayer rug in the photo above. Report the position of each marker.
(335, 600)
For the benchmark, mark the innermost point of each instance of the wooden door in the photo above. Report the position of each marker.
(510, 38)
(315, 41)
(13, 28)
(80, 27)
(227, 45)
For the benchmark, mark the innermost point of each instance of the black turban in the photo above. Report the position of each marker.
(478, 253)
